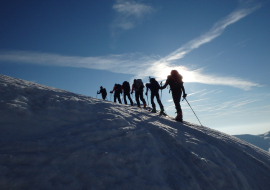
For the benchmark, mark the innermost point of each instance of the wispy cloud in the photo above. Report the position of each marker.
(199, 100)
(242, 103)
(135, 64)
(138, 64)
(129, 13)
(164, 65)
(213, 33)
(208, 92)
(125, 63)
(244, 110)
(237, 105)
(196, 92)
(242, 43)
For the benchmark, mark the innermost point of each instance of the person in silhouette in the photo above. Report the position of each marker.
(126, 89)
(175, 80)
(117, 91)
(103, 92)
(138, 87)
(154, 87)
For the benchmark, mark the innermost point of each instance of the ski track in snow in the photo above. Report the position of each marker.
(55, 139)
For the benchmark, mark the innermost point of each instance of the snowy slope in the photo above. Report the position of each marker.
(54, 139)
(262, 141)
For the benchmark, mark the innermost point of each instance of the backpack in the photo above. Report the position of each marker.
(126, 86)
(118, 88)
(154, 84)
(105, 92)
(139, 84)
(176, 83)
(176, 76)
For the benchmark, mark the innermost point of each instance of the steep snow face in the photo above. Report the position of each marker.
(54, 139)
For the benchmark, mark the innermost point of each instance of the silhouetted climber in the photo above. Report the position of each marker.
(126, 89)
(176, 86)
(138, 87)
(103, 92)
(154, 87)
(117, 91)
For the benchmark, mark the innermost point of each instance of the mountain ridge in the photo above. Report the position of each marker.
(55, 139)
(262, 141)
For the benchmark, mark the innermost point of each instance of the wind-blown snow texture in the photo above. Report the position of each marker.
(54, 139)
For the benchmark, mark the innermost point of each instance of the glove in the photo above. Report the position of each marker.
(184, 96)
(131, 93)
(111, 91)
(146, 94)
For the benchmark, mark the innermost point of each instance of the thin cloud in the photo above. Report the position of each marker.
(212, 57)
(208, 92)
(196, 92)
(199, 100)
(129, 13)
(239, 104)
(213, 33)
(138, 64)
(219, 91)
(131, 8)
(126, 64)
(242, 111)
(242, 42)
(218, 80)
(226, 107)
(164, 65)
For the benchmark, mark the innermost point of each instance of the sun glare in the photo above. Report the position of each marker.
(188, 76)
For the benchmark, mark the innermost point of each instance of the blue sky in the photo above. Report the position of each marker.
(220, 47)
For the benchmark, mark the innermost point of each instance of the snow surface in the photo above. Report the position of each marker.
(262, 141)
(55, 139)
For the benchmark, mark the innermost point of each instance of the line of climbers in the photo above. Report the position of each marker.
(175, 81)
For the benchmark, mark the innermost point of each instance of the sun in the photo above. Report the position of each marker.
(188, 76)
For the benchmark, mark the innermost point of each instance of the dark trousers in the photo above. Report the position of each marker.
(127, 94)
(117, 96)
(104, 96)
(155, 94)
(176, 95)
(139, 94)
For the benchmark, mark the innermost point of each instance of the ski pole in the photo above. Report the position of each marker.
(192, 110)
(133, 97)
(147, 99)
(161, 90)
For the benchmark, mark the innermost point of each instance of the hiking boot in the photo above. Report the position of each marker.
(154, 110)
(162, 110)
(179, 117)
(138, 106)
(144, 105)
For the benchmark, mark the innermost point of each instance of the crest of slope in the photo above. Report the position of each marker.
(55, 139)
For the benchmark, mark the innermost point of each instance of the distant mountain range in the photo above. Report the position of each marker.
(262, 141)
